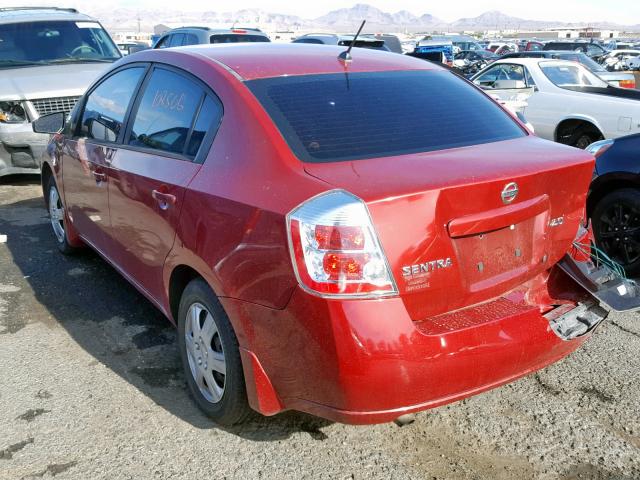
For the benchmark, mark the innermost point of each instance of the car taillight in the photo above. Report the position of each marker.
(335, 250)
(627, 84)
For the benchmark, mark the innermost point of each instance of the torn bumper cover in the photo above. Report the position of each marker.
(609, 291)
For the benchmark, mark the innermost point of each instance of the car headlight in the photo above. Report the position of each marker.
(12, 112)
(598, 148)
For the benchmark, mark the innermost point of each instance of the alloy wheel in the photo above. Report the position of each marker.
(56, 213)
(619, 232)
(205, 353)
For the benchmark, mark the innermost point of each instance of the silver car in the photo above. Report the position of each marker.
(48, 57)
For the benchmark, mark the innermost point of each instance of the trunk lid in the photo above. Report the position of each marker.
(466, 225)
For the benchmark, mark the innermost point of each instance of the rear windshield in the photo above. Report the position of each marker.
(339, 117)
(237, 38)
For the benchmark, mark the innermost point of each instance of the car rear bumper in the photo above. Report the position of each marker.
(367, 361)
(20, 149)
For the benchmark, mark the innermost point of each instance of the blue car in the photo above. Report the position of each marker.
(614, 200)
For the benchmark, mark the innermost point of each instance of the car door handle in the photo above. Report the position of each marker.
(165, 200)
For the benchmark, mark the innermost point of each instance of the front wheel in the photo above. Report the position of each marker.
(616, 226)
(211, 356)
(58, 219)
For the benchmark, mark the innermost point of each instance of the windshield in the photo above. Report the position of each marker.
(567, 75)
(46, 42)
(340, 117)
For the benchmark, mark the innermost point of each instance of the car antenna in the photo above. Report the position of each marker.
(346, 55)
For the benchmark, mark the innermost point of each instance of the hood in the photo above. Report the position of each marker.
(26, 83)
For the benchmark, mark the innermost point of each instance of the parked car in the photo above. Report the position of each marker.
(392, 42)
(617, 79)
(471, 62)
(342, 40)
(460, 42)
(592, 49)
(469, 56)
(533, 46)
(48, 57)
(569, 104)
(179, 37)
(621, 60)
(305, 225)
(614, 200)
(127, 48)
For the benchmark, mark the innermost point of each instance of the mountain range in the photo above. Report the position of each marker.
(341, 20)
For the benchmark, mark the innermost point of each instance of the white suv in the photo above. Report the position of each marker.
(48, 57)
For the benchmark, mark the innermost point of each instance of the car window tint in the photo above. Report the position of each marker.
(190, 39)
(166, 111)
(107, 105)
(176, 40)
(209, 116)
(163, 42)
(237, 38)
(338, 117)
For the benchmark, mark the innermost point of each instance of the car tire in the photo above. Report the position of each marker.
(58, 219)
(619, 210)
(208, 348)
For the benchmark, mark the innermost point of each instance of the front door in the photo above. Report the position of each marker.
(149, 175)
(87, 156)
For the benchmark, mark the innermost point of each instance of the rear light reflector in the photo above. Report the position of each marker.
(627, 84)
(335, 250)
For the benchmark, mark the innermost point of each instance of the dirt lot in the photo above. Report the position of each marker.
(91, 388)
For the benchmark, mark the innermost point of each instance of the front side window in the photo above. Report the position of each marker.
(176, 40)
(504, 75)
(190, 39)
(340, 117)
(167, 113)
(106, 106)
(55, 42)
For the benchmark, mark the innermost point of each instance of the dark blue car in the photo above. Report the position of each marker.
(614, 200)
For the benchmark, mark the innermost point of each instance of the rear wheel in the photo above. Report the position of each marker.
(616, 226)
(211, 356)
(57, 218)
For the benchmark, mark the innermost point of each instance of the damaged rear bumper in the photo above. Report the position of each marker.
(611, 290)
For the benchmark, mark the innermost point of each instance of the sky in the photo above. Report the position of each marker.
(624, 12)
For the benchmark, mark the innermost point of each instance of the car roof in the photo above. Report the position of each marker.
(265, 60)
(41, 14)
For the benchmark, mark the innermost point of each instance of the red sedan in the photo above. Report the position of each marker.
(357, 240)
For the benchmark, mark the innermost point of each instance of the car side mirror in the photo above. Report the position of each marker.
(51, 123)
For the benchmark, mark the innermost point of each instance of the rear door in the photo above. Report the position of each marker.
(88, 153)
(168, 136)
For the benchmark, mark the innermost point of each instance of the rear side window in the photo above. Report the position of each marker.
(339, 117)
(107, 105)
(170, 106)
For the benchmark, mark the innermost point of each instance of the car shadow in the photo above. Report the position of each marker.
(109, 319)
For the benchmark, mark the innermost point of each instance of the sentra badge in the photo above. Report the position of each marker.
(427, 267)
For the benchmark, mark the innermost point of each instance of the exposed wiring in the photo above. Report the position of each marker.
(599, 257)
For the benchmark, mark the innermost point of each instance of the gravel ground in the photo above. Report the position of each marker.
(91, 388)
